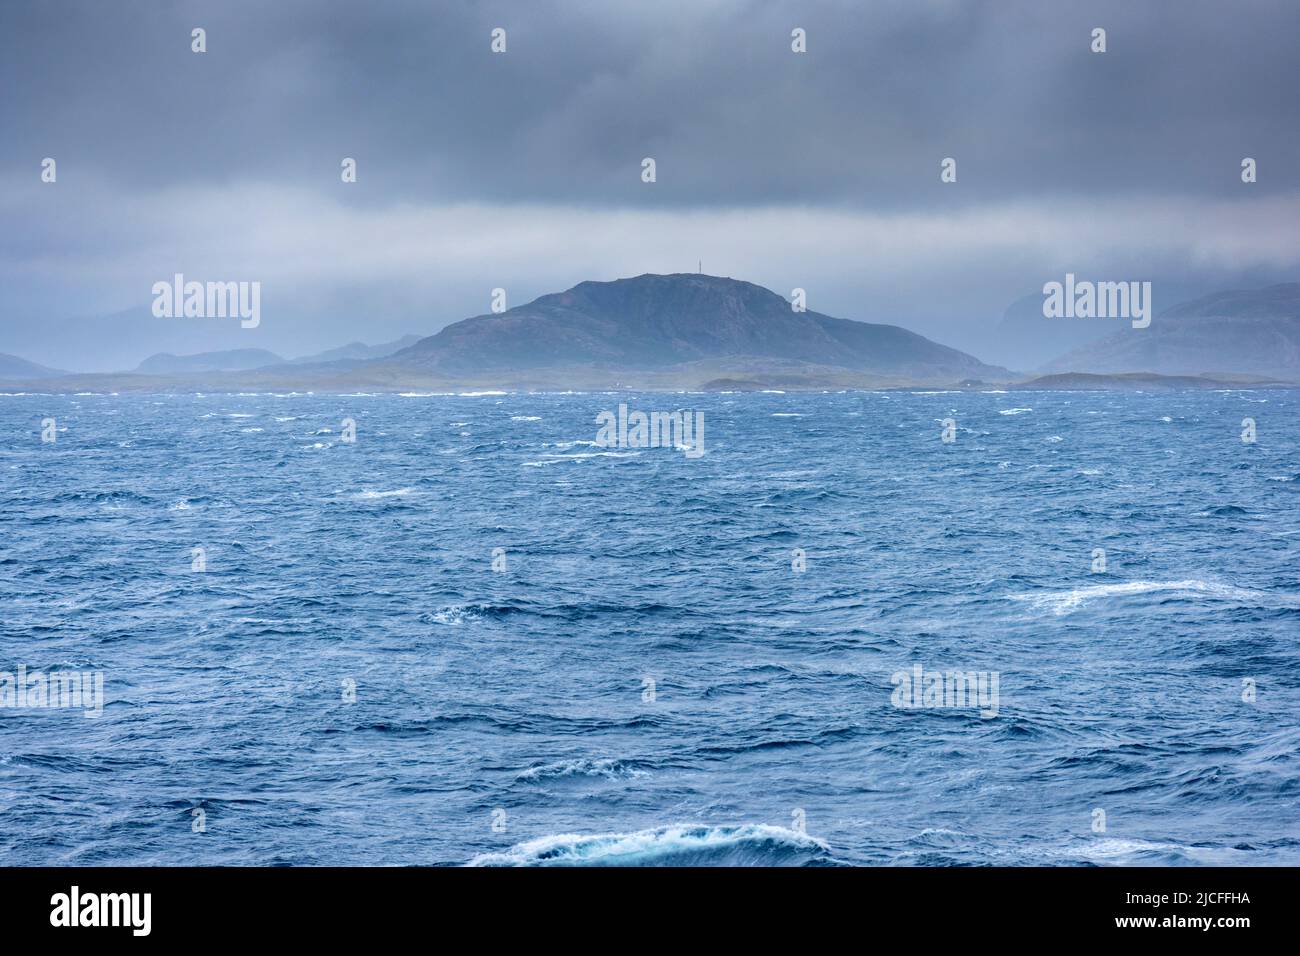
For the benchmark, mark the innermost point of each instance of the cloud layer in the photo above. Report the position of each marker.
(522, 170)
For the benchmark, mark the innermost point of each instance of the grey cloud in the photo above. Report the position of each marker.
(522, 170)
(711, 90)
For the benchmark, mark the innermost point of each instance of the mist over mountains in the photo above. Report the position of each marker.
(242, 360)
(852, 208)
(1243, 331)
(693, 331)
(13, 367)
(230, 360)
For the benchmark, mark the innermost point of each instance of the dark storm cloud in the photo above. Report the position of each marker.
(711, 90)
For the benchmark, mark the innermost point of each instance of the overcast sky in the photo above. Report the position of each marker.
(523, 169)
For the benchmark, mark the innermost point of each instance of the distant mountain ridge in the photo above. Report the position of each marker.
(655, 322)
(358, 351)
(243, 360)
(1027, 340)
(228, 360)
(1253, 332)
(693, 331)
(13, 367)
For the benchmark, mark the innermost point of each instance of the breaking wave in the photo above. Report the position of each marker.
(753, 844)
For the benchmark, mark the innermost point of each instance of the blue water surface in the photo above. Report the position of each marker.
(642, 675)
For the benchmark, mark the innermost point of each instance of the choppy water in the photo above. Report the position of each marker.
(521, 698)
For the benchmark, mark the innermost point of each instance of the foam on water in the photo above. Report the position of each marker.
(379, 495)
(1063, 602)
(609, 769)
(680, 845)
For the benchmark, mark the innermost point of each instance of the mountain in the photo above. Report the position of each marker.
(118, 340)
(11, 366)
(1255, 332)
(357, 351)
(112, 342)
(1025, 339)
(686, 329)
(230, 360)
(243, 360)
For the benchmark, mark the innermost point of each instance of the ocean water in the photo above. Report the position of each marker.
(648, 679)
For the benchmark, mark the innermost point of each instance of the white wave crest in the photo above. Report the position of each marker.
(395, 493)
(1063, 602)
(609, 769)
(456, 614)
(660, 846)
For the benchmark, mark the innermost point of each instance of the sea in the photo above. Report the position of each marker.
(918, 628)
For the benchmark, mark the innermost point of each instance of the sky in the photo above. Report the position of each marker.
(522, 170)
